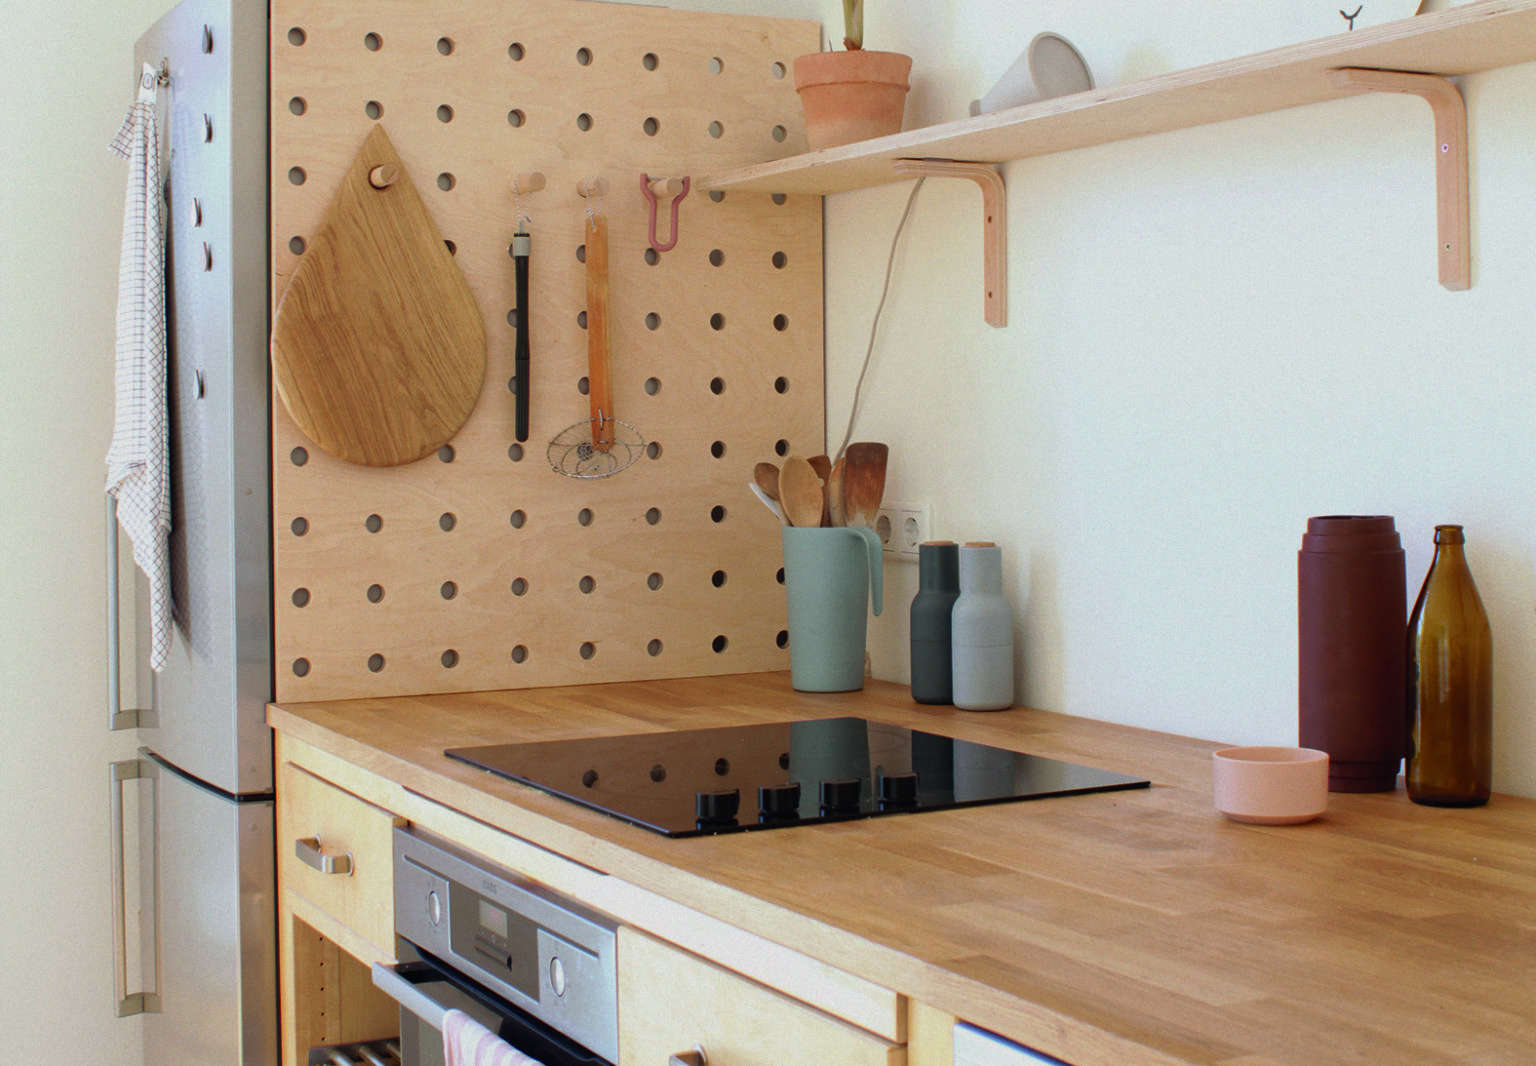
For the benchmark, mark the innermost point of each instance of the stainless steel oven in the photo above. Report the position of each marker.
(533, 967)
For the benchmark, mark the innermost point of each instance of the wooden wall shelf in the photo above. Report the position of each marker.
(1479, 36)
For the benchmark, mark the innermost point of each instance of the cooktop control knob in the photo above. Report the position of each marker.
(557, 976)
(434, 907)
(898, 791)
(717, 808)
(840, 795)
(778, 803)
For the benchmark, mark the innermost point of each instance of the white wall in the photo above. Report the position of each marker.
(69, 77)
(1213, 334)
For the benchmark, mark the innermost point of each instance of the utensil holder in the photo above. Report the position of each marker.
(830, 576)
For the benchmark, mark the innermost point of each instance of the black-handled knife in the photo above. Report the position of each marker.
(521, 246)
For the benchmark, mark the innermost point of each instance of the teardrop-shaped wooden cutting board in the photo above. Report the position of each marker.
(378, 348)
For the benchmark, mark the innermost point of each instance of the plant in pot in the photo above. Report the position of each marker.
(854, 94)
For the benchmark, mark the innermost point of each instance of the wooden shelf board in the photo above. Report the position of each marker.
(1463, 40)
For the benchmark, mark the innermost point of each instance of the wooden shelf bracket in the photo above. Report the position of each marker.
(994, 203)
(1451, 194)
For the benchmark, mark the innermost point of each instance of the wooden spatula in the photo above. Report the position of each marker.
(378, 348)
(864, 481)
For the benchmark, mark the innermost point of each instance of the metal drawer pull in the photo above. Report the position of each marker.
(696, 1057)
(309, 853)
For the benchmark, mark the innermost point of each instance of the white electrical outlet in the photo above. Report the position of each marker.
(901, 527)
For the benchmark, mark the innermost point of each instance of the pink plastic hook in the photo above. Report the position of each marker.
(645, 187)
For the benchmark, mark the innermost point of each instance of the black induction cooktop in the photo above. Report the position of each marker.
(702, 781)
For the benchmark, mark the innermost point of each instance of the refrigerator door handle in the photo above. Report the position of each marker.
(127, 1002)
(117, 718)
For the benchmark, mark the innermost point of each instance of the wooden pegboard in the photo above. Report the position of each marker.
(482, 568)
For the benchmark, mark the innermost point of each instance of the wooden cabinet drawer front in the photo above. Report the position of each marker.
(670, 1001)
(313, 810)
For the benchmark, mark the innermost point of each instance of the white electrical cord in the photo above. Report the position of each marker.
(885, 288)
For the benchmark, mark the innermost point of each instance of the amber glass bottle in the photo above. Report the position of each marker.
(1450, 683)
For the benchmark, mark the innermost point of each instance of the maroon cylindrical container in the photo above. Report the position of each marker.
(1352, 602)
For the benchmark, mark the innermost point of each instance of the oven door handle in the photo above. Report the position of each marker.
(398, 988)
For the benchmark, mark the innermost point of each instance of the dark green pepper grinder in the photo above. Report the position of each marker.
(938, 585)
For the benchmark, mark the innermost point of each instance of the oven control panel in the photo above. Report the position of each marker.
(542, 952)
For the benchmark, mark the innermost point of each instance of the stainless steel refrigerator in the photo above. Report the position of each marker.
(195, 865)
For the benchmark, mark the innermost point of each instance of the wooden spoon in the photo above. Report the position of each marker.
(864, 481)
(800, 492)
(766, 475)
(835, 509)
(823, 467)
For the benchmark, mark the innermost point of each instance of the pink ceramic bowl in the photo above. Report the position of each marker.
(1270, 786)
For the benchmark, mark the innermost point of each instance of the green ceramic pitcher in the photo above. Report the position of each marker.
(829, 574)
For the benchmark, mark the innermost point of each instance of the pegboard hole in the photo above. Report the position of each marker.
(717, 579)
(779, 577)
(717, 321)
(649, 61)
(653, 581)
(652, 386)
(653, 516)
(515, 453)
(446, 454)
(375, 662)
(373, 42)
(581, 319)
(717, 129)
(519, 654)
(375, 593)
(717, 195)
(587, 584)
(653, 648)
(299, 526)
(588, 649)
(781, 447)
(298, 105)
(297, 36)
(444, 113)
(300, 597)
(583, 385)
(780, 133)
(296, 245)
(516, 52)
(445, 46)
(300, 667)
(719, 644)
(446, 181)
(717, 513)
(583, 121)
(652, 321)
(584, 56)
(716, 257)
(446, 521)
(782, 640)
(716, 65)
(651, 126)
(516, 117)
(717, 449)
(781, 385)
(373, 523)
(512, 385)
(653, 450)
(448, 590)
(778, 70)
(520, 586)
(449, 659)
(584, 516)
(652, 257)
(299, 456)
(780, 260)
(373, 109)
(779, 198)
(296, 175)
(717, 385)
(581, 253)
(780, 322)
(518, 518)
(453, 249)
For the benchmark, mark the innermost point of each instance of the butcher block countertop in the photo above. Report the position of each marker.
(1121, 927)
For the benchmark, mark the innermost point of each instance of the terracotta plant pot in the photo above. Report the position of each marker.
(851, 96)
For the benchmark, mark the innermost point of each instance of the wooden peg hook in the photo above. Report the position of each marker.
(383, 175)
(526, 182)
(593, 188)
